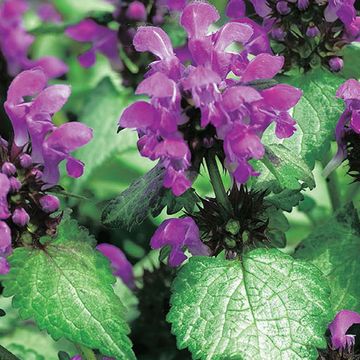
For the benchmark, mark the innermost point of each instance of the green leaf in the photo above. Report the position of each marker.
(334, 248)
(101, 113)
(288, 168)
(269, 306)
(23, 353)
(67, 288)
(316, 114)
(133, 205)
(286, 199)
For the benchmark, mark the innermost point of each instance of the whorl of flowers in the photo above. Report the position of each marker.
(15, 42)
(129, 15)
(347, 132)
(200, 107)
(29, 166)
(307, 32)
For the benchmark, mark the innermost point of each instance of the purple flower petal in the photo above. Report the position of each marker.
(58, 146)
(344, 319)
(264, 66)
(179, 233)
(233, 32)
(150, 86)
(88, 58)
(155, 40)
(120, 264)
(282, 97)
(5, 239)
(138, 115)
(235, 9)
(197, 18)
(4, 190)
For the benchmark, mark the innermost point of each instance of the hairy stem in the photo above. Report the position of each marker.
(333, 186)
(216, 182)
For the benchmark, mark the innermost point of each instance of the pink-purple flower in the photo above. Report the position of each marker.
(15, 42)
(349, 121)
(198, 106)
(180, 234)
(119, 263)
(29, 165)
(32, 123)
(342, 322)
(334, 26)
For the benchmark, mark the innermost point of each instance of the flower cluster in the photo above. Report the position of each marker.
(29, 166)
(211, 104)
(307, 33)
(347, 132)
(129, 15)
(15, 42)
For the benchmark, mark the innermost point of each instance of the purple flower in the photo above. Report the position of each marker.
(4, 266)
(4, 190)
(32, 122)
(48, 13)
(312, 31)
(136, 11)
(336, 63)
(15, 42)
(103, 40)
(5, 239)
(49, 203)
(178, 91)
(119, 263)
(335, 26)
(20, 217)
(344, 319)
(349, 91)
(179, 234)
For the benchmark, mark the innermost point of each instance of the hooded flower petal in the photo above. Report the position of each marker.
(281, 97)
(138, 115)
(197, 18)
(340, 325)
(119, 263)
(235, 9)
(179, 234)
(154, 40)
(263, 66)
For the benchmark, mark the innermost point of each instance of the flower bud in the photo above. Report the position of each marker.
(303, 4)
(312, 31)
(336, 63)
(278, 33)
(25, 161)
(282, 7)
(20, 217)
(232, 227)
(15, 184)
(136, 11)
(49, 203)
(8, 168)
(36, 173)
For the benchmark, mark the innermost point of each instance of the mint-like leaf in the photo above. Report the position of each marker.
(334, 248)
(266, 307)
(133, 205)
(288, 168)
(67, 288)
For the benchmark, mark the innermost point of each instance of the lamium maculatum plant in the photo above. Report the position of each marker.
(179, 179)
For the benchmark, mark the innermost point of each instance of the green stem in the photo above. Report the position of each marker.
(216, 182)
(86, 353)
(333, 186)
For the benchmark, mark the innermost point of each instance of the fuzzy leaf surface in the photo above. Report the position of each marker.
(267, 307)
(67, 289)
(334, 248)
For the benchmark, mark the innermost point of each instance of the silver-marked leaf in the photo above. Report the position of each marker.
(269, 306)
